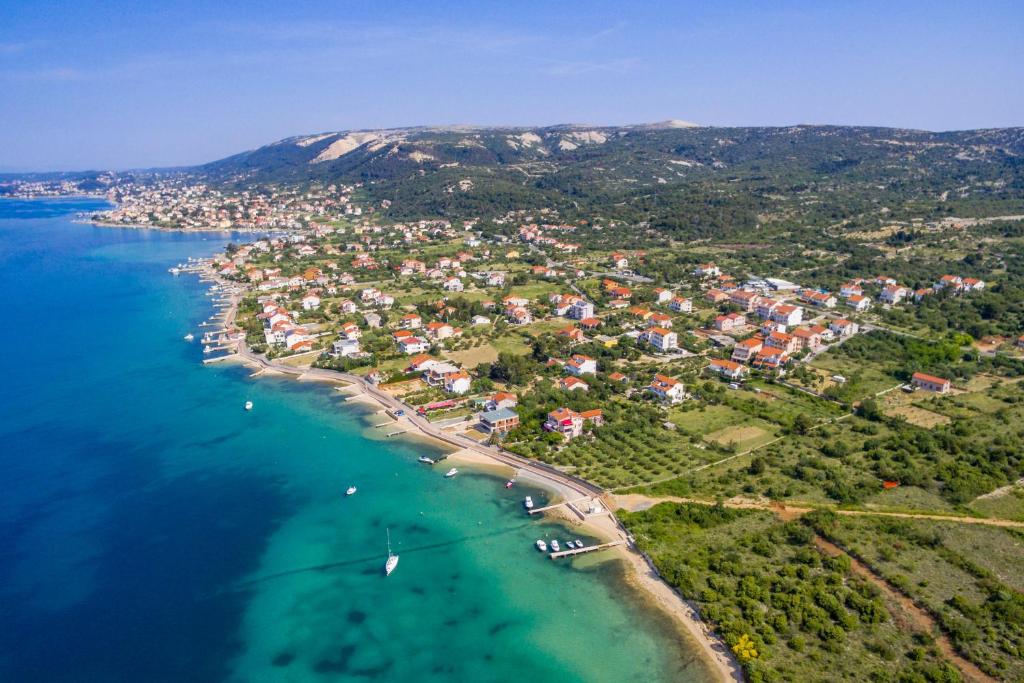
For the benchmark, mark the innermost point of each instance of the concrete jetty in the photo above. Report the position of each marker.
(584, 549)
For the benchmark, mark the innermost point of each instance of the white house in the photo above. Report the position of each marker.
(581, 365)
(411, 345)
(661, 339)
(581, 309)
(457, 382)
(310, 302)
(681, 305)
(728, 368)
(843, 327)
(345, 347)
(667, 389)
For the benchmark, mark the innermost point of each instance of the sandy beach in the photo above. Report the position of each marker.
(641, 573)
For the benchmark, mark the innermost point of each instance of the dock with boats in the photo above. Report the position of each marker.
(585, 549)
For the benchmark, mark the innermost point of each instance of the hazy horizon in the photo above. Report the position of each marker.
(119, 85)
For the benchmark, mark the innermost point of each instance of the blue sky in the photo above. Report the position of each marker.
(132, 84)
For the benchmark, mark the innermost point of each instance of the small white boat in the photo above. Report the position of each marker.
(189, 337)
(579, 543)
(426, 460)
(555, 546)
(248, 405)
(528, 503)
(392, 561)
(542, 546)
(350, 490)
(207, 349)
(451, 473)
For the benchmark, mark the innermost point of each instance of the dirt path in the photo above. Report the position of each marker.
(638, 501)
(908, 614)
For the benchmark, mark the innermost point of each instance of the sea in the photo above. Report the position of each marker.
(153, 530)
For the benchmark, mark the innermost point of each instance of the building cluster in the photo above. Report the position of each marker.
(183, 203)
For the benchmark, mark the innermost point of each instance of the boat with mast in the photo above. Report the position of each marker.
(392, 560)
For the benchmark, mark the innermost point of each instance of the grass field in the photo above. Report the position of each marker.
(470, 358)
(871, 378)
(740, 437)
(918, 416)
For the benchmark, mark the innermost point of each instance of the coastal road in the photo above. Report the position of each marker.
(564, 483)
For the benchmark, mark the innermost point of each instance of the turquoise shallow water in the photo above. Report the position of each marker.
(152, 530)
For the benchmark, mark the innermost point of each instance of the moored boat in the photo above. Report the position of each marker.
(392, 561)
(424, 459)
(248, 405)
(541, 545)
(350, 490)
(528, 503)
(451, 473)
(554, 545)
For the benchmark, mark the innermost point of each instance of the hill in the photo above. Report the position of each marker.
(656, 173)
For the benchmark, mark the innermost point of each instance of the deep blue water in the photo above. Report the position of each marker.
(152, 530)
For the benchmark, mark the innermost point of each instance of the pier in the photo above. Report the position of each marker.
(571, 504)
(585, 549)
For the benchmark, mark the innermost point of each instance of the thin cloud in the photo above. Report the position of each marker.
(583, 68)
(15, 48)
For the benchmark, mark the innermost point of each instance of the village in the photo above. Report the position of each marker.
(529, 344)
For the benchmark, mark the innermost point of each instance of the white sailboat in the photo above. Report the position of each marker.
(392, 561)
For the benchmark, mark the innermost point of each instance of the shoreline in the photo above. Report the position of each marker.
(641, 574)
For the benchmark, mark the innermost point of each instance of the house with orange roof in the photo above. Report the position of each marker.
(728, 368)
(410, 321)
(681, 305)
(716, 296)
(746, 350)
(745, 299)
(782, 341)
(422, 362)
(572, 384)
(939, 385)
(662, 295)
(770, 358)
(859, 302)
(806, 338)
(502, 399)
(579, 365)
(843, 327)
(439, 330)
(667, 389)
(660, 338)
(730, 322)
(413, 345)
(574, 334)
(457, 382)
(566, 421)
(787, 314)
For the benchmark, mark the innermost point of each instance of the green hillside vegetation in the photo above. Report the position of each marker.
(788, 612)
